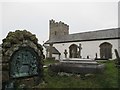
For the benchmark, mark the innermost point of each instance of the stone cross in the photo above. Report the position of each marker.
(50, 50)
(65, 52)
(79, 52)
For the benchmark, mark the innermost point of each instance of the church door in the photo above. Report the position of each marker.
(106, 50)
(73, 51)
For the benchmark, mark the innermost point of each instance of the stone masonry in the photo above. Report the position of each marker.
(11, 43)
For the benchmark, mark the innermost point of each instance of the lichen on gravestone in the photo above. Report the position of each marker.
(16, 41)
(17, 38)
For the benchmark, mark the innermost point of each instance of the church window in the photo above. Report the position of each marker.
(106, 50)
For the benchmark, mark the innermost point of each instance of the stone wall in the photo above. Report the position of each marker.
(12, 43)
(89, 48)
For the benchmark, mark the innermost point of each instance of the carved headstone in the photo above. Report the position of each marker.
(21, 59)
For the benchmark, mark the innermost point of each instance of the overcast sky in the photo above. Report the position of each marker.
(35, 16)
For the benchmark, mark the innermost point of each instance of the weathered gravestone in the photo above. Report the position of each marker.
(117, 57)
(77, 65)
(21, 59)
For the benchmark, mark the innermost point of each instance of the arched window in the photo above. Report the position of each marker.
(73, 51)
(105, 50)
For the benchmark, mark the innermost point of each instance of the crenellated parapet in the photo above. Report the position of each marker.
(53, 23)
(58, 28)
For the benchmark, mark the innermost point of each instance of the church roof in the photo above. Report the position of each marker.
(54, 50)
(113, 33)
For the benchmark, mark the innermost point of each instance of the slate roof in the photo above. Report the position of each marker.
(54, 50)
(86, 36)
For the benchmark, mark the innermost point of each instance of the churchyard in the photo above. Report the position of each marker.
(107, 79)
(24, 66)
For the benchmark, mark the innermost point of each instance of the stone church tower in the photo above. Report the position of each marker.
(57, 29)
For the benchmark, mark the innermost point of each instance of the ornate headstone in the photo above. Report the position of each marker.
(21, 59)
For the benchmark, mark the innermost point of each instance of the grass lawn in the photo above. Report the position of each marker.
(106, 79)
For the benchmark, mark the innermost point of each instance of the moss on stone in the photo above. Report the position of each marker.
(13, 42)
(17, 37)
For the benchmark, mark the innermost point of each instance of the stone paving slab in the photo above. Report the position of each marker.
(77, 59)
(79, 62)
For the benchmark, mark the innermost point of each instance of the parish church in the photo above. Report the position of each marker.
(99, 44)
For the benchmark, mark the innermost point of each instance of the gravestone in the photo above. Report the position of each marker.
(116, 53)
(78, 66)
(117, 57)
(21, 60)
